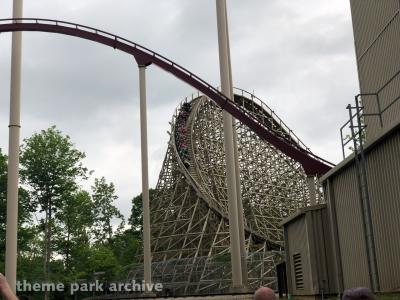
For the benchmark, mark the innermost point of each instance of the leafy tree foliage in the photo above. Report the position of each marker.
(75, 218)
(102, 259)
(3, 207)
(25, 232)
(62, 227)
(103, 195)
(136, 218)
(50, 168)
(3, 202)
(125, 246)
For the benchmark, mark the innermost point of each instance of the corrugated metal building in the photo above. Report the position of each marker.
(343, 199)
(365, 242)
(309, 257)
(376, 26)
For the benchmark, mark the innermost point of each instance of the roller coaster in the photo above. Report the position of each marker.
(189, 214)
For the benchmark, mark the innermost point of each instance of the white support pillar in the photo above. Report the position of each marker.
(242, 238)
(312, 190)
(239, 201)
(145, 177)
(13, 153)
(226, 88)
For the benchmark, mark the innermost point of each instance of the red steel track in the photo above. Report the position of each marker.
(312, 164)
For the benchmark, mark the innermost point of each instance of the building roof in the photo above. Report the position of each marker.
(301, 212)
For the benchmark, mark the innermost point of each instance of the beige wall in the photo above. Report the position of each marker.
(351, 242)
(321, 250)
(341, 192)
(297, 235)
(384, 169)
(308, 233)
(376, 26)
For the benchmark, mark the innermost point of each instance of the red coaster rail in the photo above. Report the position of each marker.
(312, 164)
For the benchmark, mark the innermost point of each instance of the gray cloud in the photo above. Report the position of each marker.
(296, 55)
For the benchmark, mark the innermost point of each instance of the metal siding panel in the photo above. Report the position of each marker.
(297, 237)
(383, 172)
(390, 93)
(376, 27)
(369, 19)
(320, 277)
(376, 68)
(334, 232)
(289, 263)
(317, 246)
(378, 60)
(331, 272)
(350, 229)
(314, 249)
(383, 165)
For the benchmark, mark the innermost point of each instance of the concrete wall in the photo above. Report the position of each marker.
(341, 192)
(376, 26)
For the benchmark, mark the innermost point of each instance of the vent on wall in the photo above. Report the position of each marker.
(298, 271)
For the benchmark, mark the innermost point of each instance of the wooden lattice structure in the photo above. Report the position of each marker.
(189, 214)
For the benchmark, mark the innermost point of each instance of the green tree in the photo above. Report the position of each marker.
(3, 206)
(102, 259)
(75, 220)
(104, 210)
(50, 167)
(25, 210)
(136, 218)
(125, 246)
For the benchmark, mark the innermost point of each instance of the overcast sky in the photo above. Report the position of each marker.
(298, 56)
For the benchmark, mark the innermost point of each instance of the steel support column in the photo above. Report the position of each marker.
(226, 88)
(13, 153)
(145, 177)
